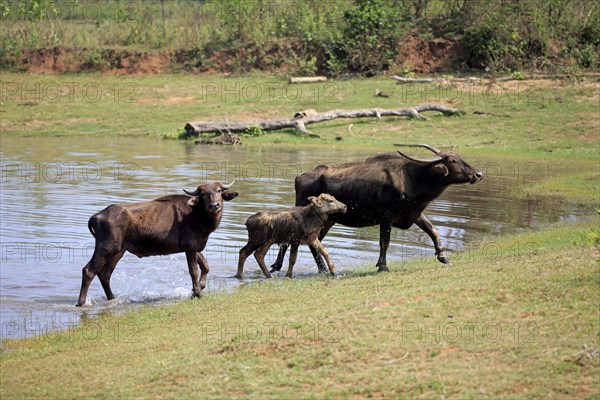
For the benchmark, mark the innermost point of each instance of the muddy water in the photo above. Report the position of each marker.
(51, 186)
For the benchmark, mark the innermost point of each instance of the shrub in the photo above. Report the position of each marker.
(371, 33)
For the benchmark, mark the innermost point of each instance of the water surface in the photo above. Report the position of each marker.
(51, 186)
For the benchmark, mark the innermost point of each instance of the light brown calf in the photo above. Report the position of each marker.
(295, 226)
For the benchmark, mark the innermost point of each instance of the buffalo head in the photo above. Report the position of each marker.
(450, 167)
(210, 196)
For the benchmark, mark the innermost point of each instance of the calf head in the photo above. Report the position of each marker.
(450, 167)
(327, 204)
(210, 196)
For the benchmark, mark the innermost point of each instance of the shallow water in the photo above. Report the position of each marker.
(51, 186)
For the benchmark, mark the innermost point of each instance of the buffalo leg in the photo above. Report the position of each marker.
(276, 266)
(201, 260)
(244, 254)
(318, 258)
(105, 273)
(194, 273)
(293, 258)
(319, 246)
(384, 242)
(260, 258)
(101, 266)
(86, 278)
(423, 223)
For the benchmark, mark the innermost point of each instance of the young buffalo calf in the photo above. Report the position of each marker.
(295, 226)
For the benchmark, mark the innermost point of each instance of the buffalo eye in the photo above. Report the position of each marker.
(219, 191)
(452, 160)
(203, 194)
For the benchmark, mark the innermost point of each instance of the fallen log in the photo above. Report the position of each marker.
(412, 80)
(193, 129)
(432, 80)
(308, 79)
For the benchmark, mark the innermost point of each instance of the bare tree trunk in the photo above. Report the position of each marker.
(193, 129)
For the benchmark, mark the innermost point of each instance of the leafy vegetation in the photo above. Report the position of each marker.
(333, 37)
(371, 32)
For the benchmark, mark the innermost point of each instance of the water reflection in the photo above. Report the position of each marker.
(50, 187)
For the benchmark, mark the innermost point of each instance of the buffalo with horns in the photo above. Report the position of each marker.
(389, 190)
(166, 225)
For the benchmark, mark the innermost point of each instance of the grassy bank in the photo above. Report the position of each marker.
(516, 317)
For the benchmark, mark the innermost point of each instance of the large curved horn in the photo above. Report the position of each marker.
(227, 187)
(428, 147)
(428, 160)
(193, 194)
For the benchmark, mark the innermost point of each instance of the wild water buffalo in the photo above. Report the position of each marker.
(166, 225)
(295, 226)
(389, 190)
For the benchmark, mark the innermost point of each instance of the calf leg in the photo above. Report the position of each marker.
(260, 258)
(423, 223)
(293, 258)
(384, 242)
(319, 246)
(276, 266)
(244, 254)
(194, 272)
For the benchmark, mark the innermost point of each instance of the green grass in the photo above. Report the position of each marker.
(510, 323)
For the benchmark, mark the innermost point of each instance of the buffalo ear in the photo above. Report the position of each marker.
(229, 195)
(316, 201)
(192, 201)
(441, 169)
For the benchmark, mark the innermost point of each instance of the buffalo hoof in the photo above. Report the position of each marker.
(276, 267)
(382, 268)
(444, 260)
(238, 276)
(196, 295)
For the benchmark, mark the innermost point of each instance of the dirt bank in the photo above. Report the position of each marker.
(414, 53)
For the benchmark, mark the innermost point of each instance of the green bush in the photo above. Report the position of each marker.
(95, 60)
(371, 33)
(254, 130)
(310, 36)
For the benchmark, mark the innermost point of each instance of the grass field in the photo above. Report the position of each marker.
(519, 322)
(515, 317)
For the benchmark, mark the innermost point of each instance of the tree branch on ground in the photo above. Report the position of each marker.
(194, 129)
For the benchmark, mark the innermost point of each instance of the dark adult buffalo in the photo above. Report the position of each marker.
(166, 225)
(389, 190)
